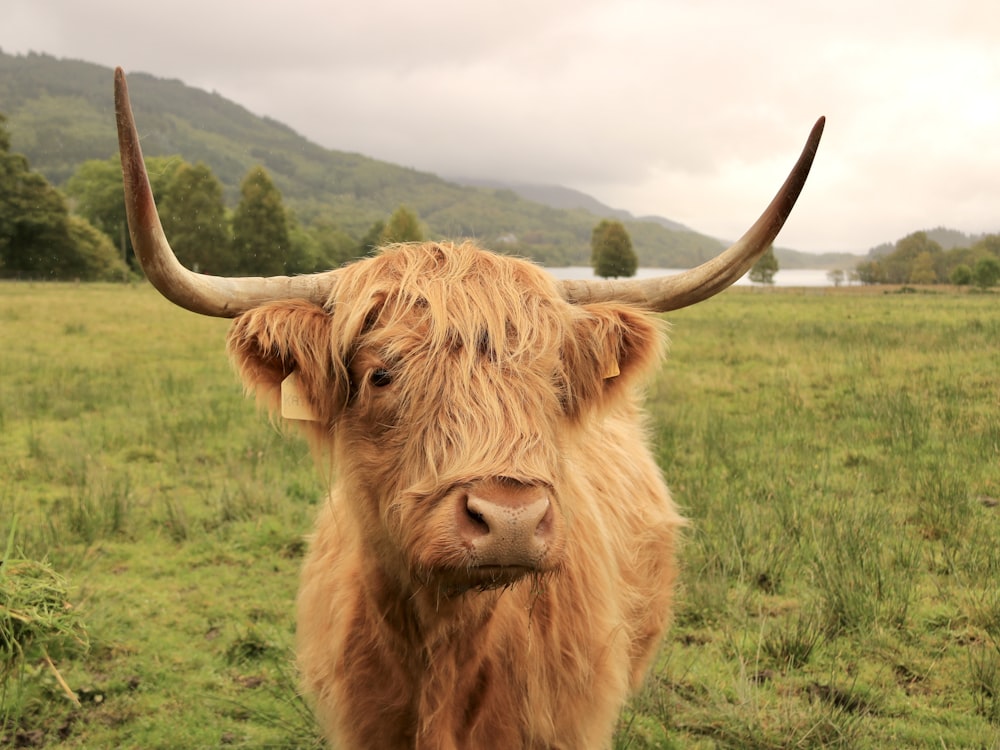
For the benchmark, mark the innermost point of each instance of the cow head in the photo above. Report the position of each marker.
(443, 378)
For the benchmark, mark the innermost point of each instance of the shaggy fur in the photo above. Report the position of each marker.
(439, 370)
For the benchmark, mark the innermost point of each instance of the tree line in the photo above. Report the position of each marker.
(918, 259)
(81, 232)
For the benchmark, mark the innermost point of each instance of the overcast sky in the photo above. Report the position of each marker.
(690, 110)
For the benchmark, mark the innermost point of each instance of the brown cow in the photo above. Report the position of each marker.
(495, 563)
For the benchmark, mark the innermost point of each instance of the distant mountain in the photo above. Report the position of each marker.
(568, 199)
(565, 198)
(790, 259)
(60, 114)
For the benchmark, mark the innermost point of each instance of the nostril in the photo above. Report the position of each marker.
(478, 521)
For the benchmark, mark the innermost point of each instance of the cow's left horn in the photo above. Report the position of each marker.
(209, 295)
(684, 289)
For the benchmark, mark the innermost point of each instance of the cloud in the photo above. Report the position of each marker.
(692, 111)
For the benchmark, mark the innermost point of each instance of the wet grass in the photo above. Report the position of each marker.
(838, 454)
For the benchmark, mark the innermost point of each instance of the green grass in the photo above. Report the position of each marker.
(838, 454)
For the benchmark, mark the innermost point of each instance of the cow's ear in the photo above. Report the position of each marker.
(614, 345)
(269, 343)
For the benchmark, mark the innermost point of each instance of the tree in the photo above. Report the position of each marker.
(403, 226)
(898, 265)
(334, 247)
(318, 248)
(34, 220)
(260, 227)
(922, 269)
(94, 257)
(96, 193)
(989, 244)
(961, 275)
(34, 224)
(194, 220)
(38, 236)
(371, 242)
(764, 269)
(870, 272)
(986, 272)
(611, 253)
(836, 276)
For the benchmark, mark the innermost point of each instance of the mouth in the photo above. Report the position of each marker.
(482, 578)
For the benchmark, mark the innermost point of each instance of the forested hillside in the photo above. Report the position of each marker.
(60, 115)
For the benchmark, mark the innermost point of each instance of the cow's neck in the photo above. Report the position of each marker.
(442, 646)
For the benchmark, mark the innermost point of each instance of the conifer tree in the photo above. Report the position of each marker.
(194, 218)
(371, 242)
(261, 241)
(403, 226)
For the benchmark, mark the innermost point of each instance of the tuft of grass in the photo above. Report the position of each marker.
(284, 711)
(984, 610)
(791, 642)
(864, 577)
(984, 678)
(37, 623)
(250, 647)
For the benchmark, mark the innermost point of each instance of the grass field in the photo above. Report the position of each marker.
(838, 453)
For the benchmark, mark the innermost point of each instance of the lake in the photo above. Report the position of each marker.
(789, 277)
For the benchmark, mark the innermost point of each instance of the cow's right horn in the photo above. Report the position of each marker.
(209, 295)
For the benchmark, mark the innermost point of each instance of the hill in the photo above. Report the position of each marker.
(789, 259)
(565, 198)
(60, 114)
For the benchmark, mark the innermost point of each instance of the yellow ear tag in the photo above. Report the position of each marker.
(294, 404)
(613, 370)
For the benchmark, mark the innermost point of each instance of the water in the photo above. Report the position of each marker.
(789, 277)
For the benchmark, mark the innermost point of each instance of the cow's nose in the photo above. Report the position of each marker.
(507, 523)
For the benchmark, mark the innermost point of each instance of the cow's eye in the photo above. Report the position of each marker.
(380, 377)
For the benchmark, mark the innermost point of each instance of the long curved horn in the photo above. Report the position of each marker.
(217, 296)
(683, 289)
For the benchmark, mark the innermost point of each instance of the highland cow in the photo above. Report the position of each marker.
(495, 562)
